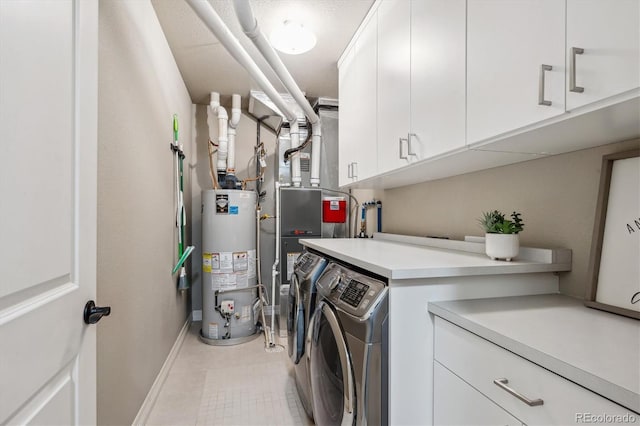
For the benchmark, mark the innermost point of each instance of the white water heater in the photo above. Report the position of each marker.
(229, 292)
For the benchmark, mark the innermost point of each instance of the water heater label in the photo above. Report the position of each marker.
(223, 281)
(251, 267)
(213, 330)
(291, 261)
(226, 262)
(246, 313)
(206, 262)
(222, 204)
(242, 281)
(233, 209)
(240, 261)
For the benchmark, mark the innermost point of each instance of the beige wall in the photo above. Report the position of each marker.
(556, 196)
(140, 89)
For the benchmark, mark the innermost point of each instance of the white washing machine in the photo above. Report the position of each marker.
(301, 301)
(348, 352)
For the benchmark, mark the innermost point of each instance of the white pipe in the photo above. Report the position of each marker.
(233, 124)
(296, 174)
(208, 15)
(223, 139)
(274, 268)
(250, 27)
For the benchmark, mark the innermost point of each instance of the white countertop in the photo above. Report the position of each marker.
(595, 349)
(392, 257)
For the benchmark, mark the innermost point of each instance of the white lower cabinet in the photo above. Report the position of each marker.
(530, 393)
(456, 403)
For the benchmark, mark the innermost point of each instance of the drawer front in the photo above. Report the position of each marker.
(480, 362)
(457, 403)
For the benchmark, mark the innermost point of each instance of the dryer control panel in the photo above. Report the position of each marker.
(351, 291)
(308, 263)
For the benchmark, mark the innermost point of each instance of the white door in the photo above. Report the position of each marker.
(48, 122)
(347, 114)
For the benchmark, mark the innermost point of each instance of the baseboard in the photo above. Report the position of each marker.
(196, 315)
(152, 396)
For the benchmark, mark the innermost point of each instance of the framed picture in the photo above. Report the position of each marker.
(614, 265)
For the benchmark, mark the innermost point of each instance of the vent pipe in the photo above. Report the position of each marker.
(214, 23)
(250, 27)
(233, 124)
(215, 110)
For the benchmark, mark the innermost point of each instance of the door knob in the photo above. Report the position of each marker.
(93, 313)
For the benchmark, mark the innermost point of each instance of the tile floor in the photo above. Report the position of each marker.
(229, 385)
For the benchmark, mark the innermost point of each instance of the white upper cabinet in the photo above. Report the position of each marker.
(438, 37)
(394, 84)
(603, 49)
(347, 130)
(515, 65)
(357, 112)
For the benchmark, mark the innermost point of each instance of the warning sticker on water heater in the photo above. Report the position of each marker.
(241, 280)
(251, 267)
(226, 262)
(240, 261)
(206, 262)
(223, 281)
(213, 330)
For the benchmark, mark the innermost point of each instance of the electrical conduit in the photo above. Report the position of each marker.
(250, 27)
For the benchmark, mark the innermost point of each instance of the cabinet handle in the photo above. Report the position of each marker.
(402, 157)
(572, 70)
(354, 170)
(349, 170)
(409, 150)
(502, 384)
(541, 100)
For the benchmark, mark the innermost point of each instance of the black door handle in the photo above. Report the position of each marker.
(93, 313)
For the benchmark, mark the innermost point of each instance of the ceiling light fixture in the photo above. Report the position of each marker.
(292, 38)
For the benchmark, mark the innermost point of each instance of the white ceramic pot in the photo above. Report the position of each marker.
(502, 246)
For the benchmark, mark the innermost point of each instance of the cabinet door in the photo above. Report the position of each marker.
(508, 42)
(455, 403)
(365, 146)
(438, 48)
(394, 55)
(609, 34)
(347, 114)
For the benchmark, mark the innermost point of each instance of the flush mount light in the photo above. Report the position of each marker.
(292, 38)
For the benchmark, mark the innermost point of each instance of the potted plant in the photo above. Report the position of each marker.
(501, 234)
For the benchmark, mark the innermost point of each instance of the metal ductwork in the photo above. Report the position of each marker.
(262, 108)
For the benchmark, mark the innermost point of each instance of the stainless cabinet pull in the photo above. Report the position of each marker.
(402, 157)
(354, 170)
(502, 384)
(409, 150)
(541, 100)
(349, 173)
(572, 70)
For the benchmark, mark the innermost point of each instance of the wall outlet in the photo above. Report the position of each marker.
(226, 306)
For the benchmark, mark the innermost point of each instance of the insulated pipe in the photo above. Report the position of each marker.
(223, 139)
(208, 15)
(250, 27)
(233, 124)
(296, 174)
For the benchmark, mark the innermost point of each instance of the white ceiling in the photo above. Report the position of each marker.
(206, 66)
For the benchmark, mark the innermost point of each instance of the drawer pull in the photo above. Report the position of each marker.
(502, 383)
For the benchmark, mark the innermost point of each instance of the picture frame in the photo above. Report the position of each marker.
(614, 273)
